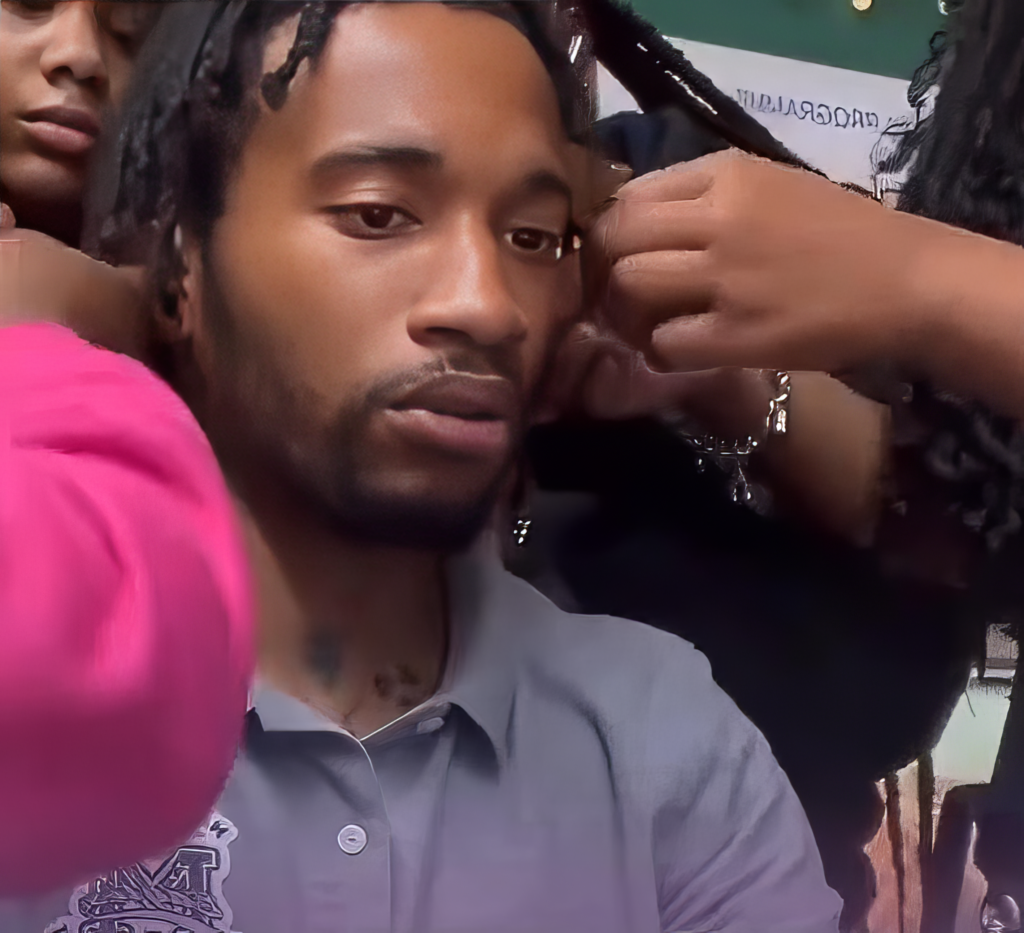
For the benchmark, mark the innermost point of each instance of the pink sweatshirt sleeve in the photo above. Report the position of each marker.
(126, 614)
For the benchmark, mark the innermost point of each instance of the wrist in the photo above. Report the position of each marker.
(827, 470)
(732, 453)
(923, 295)
(951, 275)
(967, 337)
(728, 403)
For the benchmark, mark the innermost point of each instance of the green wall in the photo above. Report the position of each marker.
(890, 39)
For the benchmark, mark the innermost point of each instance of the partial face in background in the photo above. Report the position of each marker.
(376, 308)
(61, 64)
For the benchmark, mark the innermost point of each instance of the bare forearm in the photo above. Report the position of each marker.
(43, 280)
(970, 311)
(826, 470)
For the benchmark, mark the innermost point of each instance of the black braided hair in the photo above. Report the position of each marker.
(184, 130)
(188, 119)
(659, 76)
(967, 159)
(899, 142)
(315, 23)
(966, 168)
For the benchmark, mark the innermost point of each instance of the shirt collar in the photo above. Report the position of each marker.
(487, 629)
(480, 673)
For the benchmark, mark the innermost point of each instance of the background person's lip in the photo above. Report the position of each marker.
(74, 118)
(66, 130)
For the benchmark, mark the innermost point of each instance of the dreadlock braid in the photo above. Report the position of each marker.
(968, 156)
(659, 75)
(185, 131)
(315, 24)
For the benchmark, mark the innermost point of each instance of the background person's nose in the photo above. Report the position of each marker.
(74, 45)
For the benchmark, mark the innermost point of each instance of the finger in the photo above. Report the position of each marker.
(646, 289)
(652, 226)
(7, 219)
(717, 339)
(695, 343)
(626, 387)
(608, 178)
(684, 181)
(577, 353)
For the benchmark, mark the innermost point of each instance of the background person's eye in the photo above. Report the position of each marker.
(129, 23)
(27, 8)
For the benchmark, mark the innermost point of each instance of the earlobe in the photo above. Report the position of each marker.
(182, 301)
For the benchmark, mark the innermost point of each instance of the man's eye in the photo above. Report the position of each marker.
(372, 221)
(542, 243)
(534, 241)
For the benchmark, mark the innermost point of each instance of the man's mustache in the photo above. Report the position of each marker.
(390, 389)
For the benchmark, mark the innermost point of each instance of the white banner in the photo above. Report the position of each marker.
(831, 117)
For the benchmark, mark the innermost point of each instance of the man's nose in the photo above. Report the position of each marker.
(74, 45)
(470, 295)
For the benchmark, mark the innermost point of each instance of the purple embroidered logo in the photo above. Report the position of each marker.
(182, 893)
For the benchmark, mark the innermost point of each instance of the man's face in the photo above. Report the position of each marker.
(378, 304)
(61, 63)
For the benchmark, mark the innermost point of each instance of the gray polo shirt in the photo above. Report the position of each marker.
(574, 774)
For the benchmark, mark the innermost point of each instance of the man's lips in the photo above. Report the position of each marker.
(66, 130)
(463, 395)
(462, 413)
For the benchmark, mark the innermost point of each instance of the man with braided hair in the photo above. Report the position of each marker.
(361, 222)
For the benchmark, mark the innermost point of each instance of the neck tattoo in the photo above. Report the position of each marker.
(401, 686)
(323, 654)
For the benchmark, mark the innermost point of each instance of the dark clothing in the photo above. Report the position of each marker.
(848, 672)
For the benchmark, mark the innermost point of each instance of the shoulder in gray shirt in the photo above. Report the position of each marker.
(574, 774)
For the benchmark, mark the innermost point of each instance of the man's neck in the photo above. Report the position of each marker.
(357, 631)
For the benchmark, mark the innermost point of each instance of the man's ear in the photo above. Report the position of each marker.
(183, 300)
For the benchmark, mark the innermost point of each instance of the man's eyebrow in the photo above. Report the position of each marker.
(546, 182)
(542, 181)
(387, 156)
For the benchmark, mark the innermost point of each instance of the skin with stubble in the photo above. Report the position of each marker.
(364, 331)
(61, 65)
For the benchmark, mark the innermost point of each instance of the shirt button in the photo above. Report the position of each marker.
(352, 839)
(429, 725)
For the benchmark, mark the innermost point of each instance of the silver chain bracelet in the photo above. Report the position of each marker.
(733, 457)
